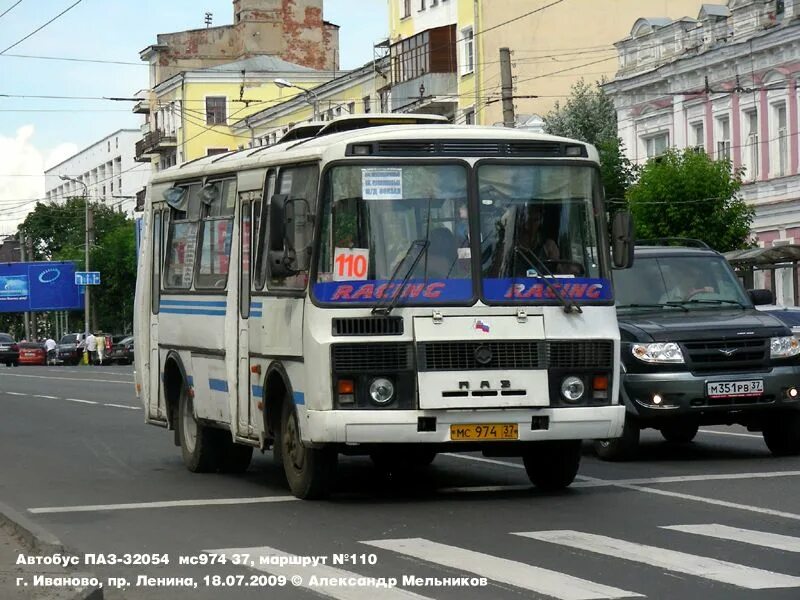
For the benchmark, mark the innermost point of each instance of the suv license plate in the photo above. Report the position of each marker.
(484, 431)
(730, 389)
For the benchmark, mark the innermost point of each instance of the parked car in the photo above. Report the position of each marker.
(122, 352)
(32, 353)
(9, 350)
(70, 348)
(696, 352)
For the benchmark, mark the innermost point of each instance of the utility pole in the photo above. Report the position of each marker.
(32, 317)
(507, 83)
(26, 316)
(88, 223)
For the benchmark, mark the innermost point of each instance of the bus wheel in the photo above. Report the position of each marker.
(309, 471)
(199, 444)
(553, 465)
(402, 459)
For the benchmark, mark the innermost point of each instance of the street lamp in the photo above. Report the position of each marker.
(86, 255)
(285, 83)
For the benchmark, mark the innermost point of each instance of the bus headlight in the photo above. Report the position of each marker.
(572, 388)
(381, 391)
(784, 347)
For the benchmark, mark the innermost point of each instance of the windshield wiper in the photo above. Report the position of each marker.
(569, 305)
(655, 305)
(385, 309)
(707, 301)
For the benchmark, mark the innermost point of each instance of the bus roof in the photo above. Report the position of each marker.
(416, 141)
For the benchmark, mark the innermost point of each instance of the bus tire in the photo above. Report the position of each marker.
(782, 434)
(200, 445)
(552, 465)
(622, 448)
(309, 471)
(403, 459)
(235, 458)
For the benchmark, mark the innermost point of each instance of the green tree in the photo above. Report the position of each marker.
(589, 115)
(687, 194)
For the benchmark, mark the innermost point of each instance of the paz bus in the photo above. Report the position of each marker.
(394, 291)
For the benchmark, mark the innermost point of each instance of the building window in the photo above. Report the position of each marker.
(469, 116)
(698, 134)
(116, 142)
(750, 154)
(367, 104)
(119, 184)
(112, 187)
(384, 97)
(104, 191)
(351, 108)
(723, 138)
(215, 110)
(656, 145)
(422, 4)
(213, 151)
(109, 145)
(406, 9)
(780, 141)
(468, 37)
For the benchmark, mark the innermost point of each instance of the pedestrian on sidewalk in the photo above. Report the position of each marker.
(91, 348)
(50, 350)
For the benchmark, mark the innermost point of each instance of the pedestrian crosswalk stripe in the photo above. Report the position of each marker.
(300, 576)
(517, 574)
(669, 560)
(746, 536)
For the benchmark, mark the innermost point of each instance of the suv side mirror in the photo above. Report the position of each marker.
(622, 243)
(761, 297)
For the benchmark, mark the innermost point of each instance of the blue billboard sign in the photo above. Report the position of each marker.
(39, 286)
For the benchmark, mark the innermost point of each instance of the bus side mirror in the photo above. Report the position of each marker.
(280, 259)
(761, 297)
(622, 242)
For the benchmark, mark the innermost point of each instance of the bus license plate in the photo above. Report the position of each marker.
(484, 431)
(729, 389)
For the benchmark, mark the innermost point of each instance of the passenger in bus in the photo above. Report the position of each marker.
(442, 256)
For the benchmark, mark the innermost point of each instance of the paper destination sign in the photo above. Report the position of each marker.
(382, 184)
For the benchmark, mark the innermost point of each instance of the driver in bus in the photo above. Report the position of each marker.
(530, 235)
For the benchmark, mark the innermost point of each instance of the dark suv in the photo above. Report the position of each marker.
(696, 352)
(9, 350)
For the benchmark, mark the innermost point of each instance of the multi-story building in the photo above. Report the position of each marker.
(202, 80)
(445, 53)
(725, 83)
(107, 168)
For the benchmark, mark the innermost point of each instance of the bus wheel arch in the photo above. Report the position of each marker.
(175, 382)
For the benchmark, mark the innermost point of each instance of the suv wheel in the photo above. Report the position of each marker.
(782, 434)
(621, 448)
(680, 433)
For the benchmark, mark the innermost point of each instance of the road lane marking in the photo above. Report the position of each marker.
(484, 460)
(164, 504)
(595, 482)
(123, 406)
(733, 433)
(503, 570)
(661, 558)
(304, 573)
(48, 397)
(81, 401)
(15, 394)
(746, 536)
(484, 488)
(76, 379)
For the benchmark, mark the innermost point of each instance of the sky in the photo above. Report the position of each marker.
(37, 133)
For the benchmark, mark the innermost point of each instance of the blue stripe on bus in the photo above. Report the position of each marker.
(256, 314)
(218, 385)
(190, 380)
(258, 391)
(193, 311)
(256, 304)
(217, 303)
(299, 398)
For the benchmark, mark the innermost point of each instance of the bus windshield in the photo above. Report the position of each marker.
(539, 233)
(375, 216)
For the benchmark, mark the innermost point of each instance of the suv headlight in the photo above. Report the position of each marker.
(784, 347)
(660, 352)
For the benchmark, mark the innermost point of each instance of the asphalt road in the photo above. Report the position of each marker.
(717, 519)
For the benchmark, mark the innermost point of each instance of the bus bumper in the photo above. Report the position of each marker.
(409, 426)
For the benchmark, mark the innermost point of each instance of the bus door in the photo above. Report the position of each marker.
(156, 410)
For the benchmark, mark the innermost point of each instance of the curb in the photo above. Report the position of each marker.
(39, 540)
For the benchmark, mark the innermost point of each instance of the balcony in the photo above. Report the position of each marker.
(153, 143)
(435, 92)
(142, 107)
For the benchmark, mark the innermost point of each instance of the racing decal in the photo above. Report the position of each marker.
(368, 291)
(534, 288)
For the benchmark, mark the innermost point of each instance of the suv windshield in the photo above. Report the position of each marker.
(688, 281)
(71, 338)
(374, 216)
(537, 222)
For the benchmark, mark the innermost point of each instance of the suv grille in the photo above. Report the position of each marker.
(461, 356)
(356, 358)
(730, 355)
(368, 326)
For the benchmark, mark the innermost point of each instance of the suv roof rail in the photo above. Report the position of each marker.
(673, 241)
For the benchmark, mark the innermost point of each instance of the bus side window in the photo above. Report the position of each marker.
(155, 284)
(182, 240)
(260, 220)
(219, 203)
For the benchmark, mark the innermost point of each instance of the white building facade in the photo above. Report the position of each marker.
(108, 169)
(725, 83)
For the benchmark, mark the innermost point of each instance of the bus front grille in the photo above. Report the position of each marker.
(471, 356)
(369, 357)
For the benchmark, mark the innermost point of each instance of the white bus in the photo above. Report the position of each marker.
(391, 291)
